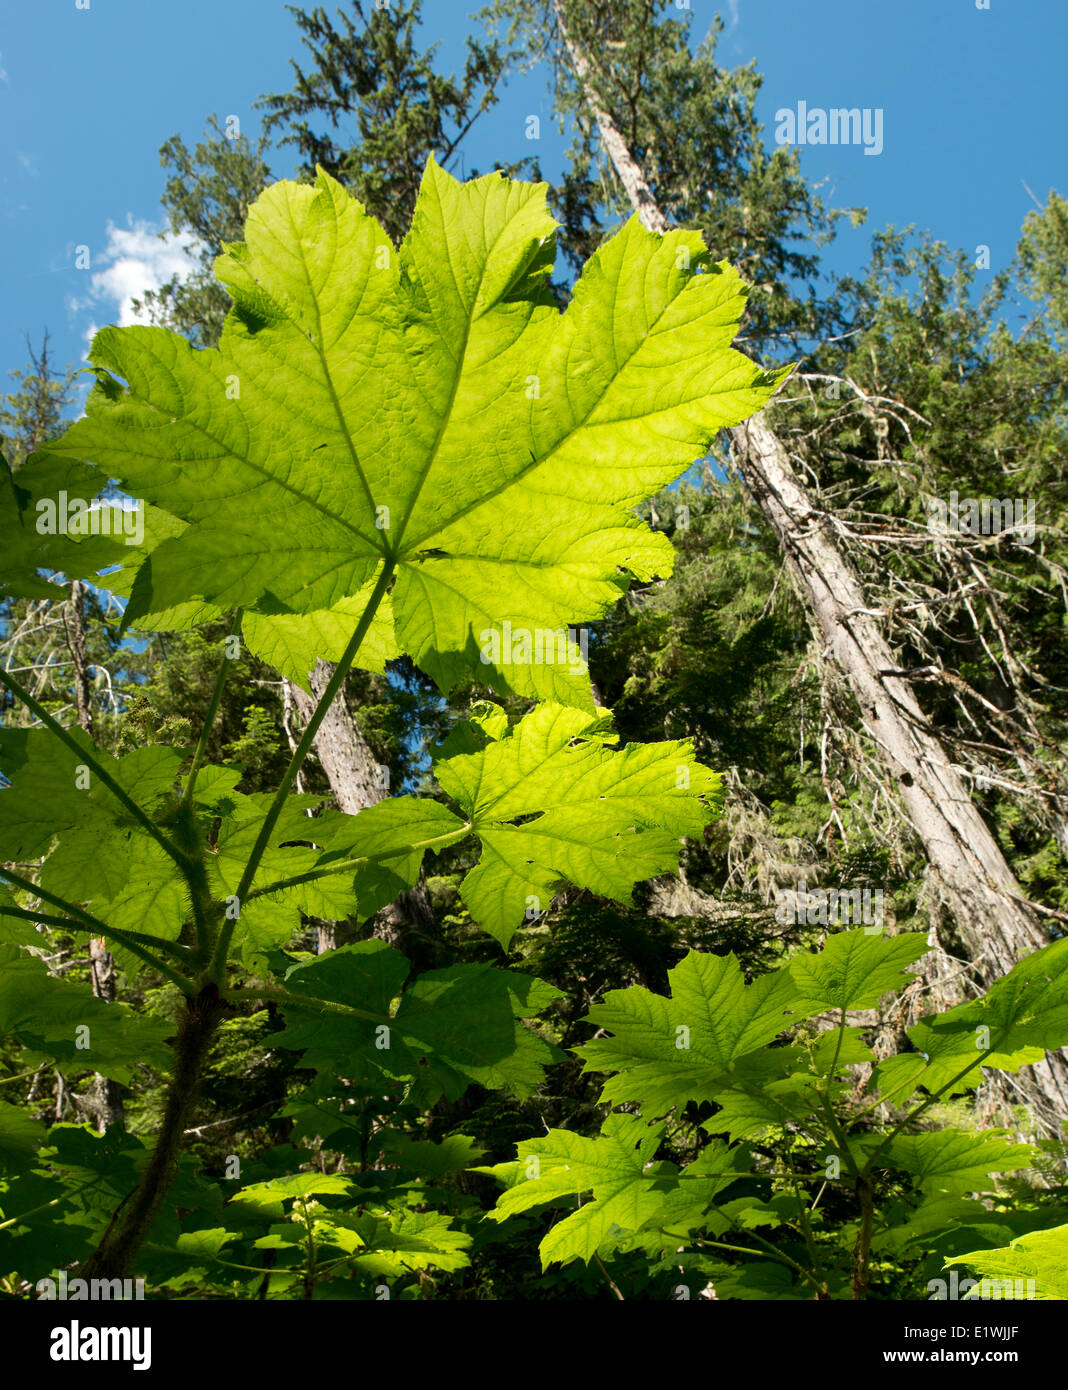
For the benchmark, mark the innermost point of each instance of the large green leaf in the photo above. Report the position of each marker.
(431, 407)
(669, 1051)
(20, 1138)
(58, 1019)
(611, 1166)
(1041, 1256)
(54, 520)
(855, 969)
(630, 1192)
(551, 803)
(1020, 1018)
(450, 1028)
(955, 1160)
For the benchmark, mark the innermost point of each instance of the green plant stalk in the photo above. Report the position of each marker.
(114, 1256)
(55, 1202)
(839, 1136)
(865, 1186)
(806, 1225)
(296, 762)
(310, 1270)
(120, 794)
(303, 1001)
(196, 876)
(775, 1254)
(22, 1075)
(885, 1098)
(35, 890)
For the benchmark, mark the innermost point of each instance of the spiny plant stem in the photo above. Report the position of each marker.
(114, 1256)
(862, 1250)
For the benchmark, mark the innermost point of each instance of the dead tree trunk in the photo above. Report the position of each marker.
(357, 782)
(990, 912)
(107, 1094)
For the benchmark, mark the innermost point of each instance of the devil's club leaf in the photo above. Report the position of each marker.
(684, 1048)
(610, 1166)
(99, 854)
(431, 406)
(953, 1160)
(855, 969)
(293, 642)
(629, 1190)
(604, 819)
(61, 1020)
(53, 520)
(1020, 1018)
(450, 1028)
(20, 1138)
(331, 866)
(1040, 1257)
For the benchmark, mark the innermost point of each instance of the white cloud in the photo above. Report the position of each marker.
(3, 70)
(734, 4)
(135, 259)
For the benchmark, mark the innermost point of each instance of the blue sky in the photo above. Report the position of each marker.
(971, 102)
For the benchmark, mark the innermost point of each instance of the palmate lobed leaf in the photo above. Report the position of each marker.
(669, 1051)
(855, 969)
(1021, 1017)
(600, 818)
(431, 406)
(54, 520)
(450, 1028)
(97, 853)
(1041, 1256)
(563, 1165)
(60, 1020)
(630, 1193)
(954, 1160)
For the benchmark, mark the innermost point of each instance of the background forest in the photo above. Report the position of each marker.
(884, 692)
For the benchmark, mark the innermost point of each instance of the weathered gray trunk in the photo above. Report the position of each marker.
(106, 1094)
(357, 782)
(977, 889)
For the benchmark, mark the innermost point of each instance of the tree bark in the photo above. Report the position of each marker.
(357, 782)
(974, 882)
(107, 1094)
